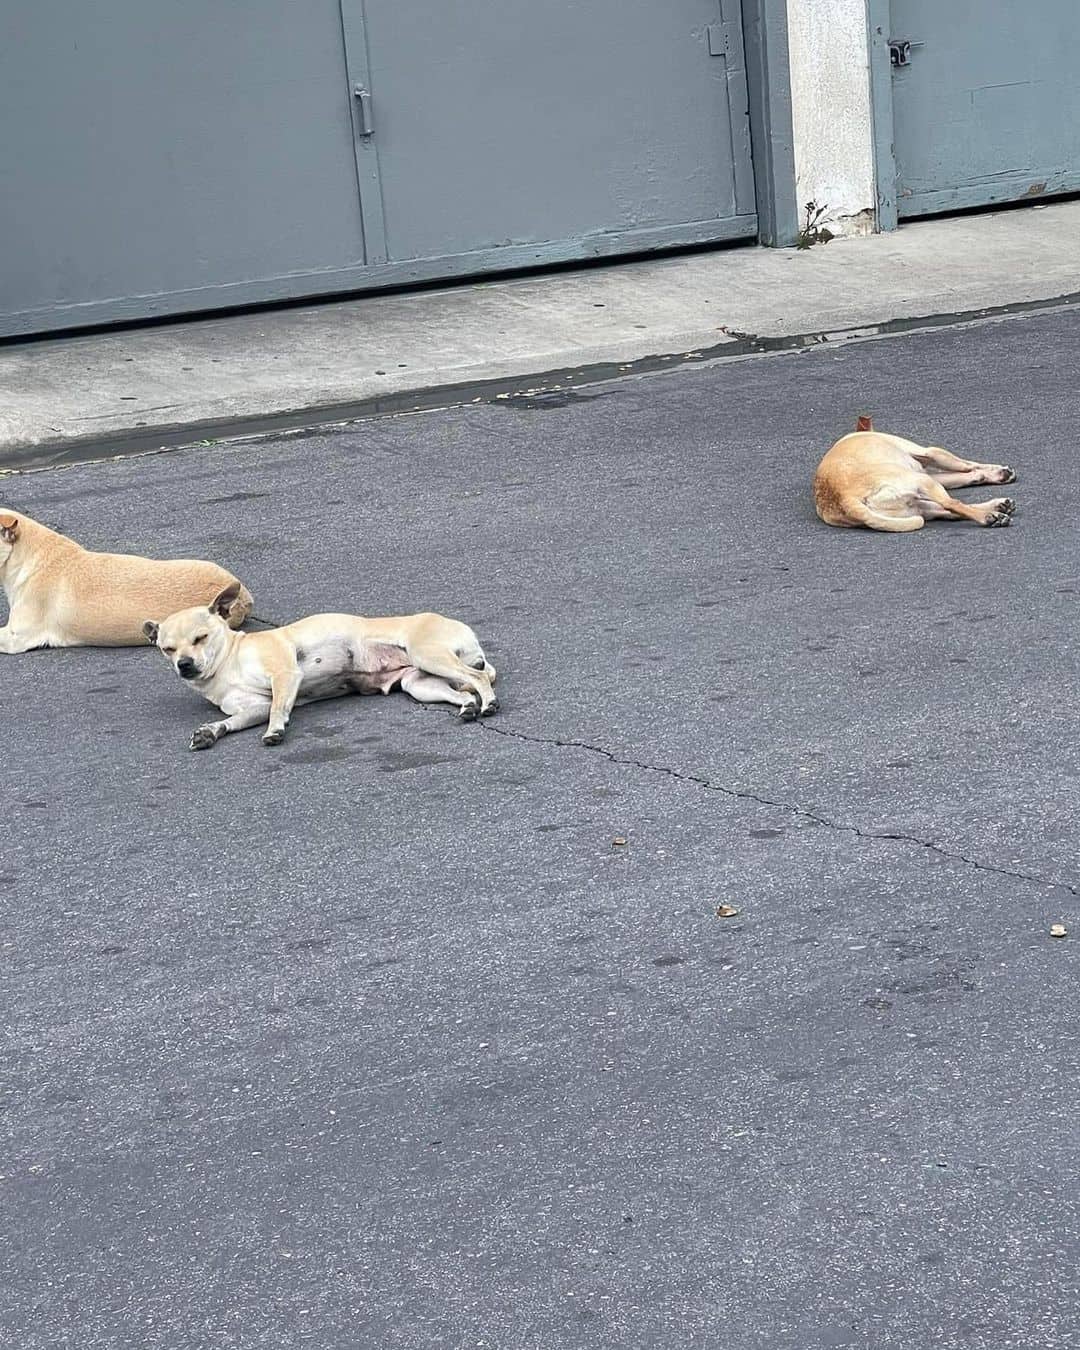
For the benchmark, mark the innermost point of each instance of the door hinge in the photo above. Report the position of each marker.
(363, 103)
(724, 39)
(900, 51)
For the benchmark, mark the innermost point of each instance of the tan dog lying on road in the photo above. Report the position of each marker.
(259, 677)
(888, 483)
(61, 595)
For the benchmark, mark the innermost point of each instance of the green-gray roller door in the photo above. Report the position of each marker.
(986, 105)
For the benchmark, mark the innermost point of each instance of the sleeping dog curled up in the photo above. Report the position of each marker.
(259, 677)
(889, 483)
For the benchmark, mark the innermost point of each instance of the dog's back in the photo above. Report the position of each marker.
(74, 597)
(864, 467)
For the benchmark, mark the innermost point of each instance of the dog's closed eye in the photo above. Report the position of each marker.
(201, 638)
(169, 651)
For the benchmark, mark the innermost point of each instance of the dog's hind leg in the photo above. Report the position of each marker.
(480, 662)
(936, 503)
(436, 659)
(952, 471)
(474, 658)
(861, 513)
(432, 689)
(483, 665)
(969, 478)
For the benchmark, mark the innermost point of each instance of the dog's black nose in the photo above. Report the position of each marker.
(186, 667)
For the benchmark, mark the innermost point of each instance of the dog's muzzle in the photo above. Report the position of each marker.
(186, 668)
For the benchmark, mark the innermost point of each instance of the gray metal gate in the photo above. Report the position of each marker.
(163, 155)
(180, 155)
(985, 102)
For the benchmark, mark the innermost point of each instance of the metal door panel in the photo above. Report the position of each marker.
(987, 107)
(171, 147)
(500, 123)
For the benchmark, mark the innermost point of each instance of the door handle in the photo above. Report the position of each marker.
(363, 101)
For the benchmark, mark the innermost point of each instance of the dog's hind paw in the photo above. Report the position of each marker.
(1006, 474)
(998, 519)
(273, 737)
(202, 738)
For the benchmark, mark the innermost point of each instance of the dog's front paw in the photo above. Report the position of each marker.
(471, 710)
(1005, 474)
(202, 738)
(999, 518)
(273, 737)
(491, 709)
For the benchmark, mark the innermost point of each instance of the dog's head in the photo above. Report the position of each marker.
(195, 640)
(10, 526)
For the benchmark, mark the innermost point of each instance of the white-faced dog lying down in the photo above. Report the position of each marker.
(259, 677)
(62, 595)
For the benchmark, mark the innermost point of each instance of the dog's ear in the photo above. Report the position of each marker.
(224, 601)
(9, 527)
(864, 423)
(150, 630)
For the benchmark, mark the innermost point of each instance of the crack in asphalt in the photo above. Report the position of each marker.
(792, 808)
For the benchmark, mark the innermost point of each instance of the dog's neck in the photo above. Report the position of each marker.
(230, 642)
(17, 572)
(35, 545)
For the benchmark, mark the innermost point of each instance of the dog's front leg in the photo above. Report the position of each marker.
(284, 687)
(13, 642)
(210, 733)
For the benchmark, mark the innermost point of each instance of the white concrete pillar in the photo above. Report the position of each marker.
(831, 113)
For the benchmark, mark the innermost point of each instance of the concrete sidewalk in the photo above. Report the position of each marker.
(326, 361)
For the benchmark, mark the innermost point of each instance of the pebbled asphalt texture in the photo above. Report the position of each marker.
(379, 1040)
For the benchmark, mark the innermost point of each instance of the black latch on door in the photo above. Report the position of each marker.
(900, 51)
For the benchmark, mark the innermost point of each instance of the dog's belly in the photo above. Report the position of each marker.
(342, 665)
(325, 686)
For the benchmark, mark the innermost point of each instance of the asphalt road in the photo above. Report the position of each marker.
(378, 1039)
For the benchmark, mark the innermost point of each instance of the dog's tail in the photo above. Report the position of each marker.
(240, 608)
(864, 423)
(858, 513)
